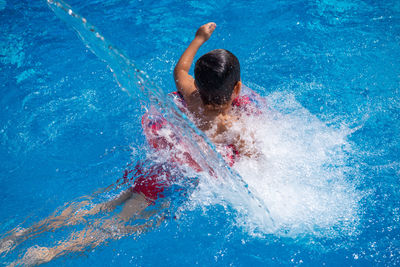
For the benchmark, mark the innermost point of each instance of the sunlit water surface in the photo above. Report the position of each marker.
(325, 186)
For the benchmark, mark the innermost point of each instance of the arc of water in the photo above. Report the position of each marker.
(129, 77)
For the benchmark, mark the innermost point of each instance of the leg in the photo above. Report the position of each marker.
(51, 223)
(98, 233)
(133, 206)
(73, 214)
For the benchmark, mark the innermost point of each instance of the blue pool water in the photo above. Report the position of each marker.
(327, 189)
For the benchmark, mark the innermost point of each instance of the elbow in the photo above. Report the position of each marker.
(176, 73)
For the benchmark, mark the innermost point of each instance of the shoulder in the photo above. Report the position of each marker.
(184, 83)
(193, 102)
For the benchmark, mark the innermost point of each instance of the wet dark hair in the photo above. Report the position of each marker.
(216, 74)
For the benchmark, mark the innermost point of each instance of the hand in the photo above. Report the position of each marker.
(205, 31)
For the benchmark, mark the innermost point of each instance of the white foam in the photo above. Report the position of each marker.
(301, 173)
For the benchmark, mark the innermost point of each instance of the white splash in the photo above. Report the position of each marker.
(301, 174)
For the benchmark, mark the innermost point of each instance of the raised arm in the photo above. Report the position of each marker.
(184, 82)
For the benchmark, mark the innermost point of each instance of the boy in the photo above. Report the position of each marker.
(210, 94)
(217, 80)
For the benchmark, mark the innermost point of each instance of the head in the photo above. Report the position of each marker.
(217, 77)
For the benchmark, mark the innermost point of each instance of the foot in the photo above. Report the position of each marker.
(36, 255)
(6, 246)
(10, 242)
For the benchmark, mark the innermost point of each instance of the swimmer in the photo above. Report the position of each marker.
(210, 96)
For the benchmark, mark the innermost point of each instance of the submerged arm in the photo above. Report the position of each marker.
(185, 82)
